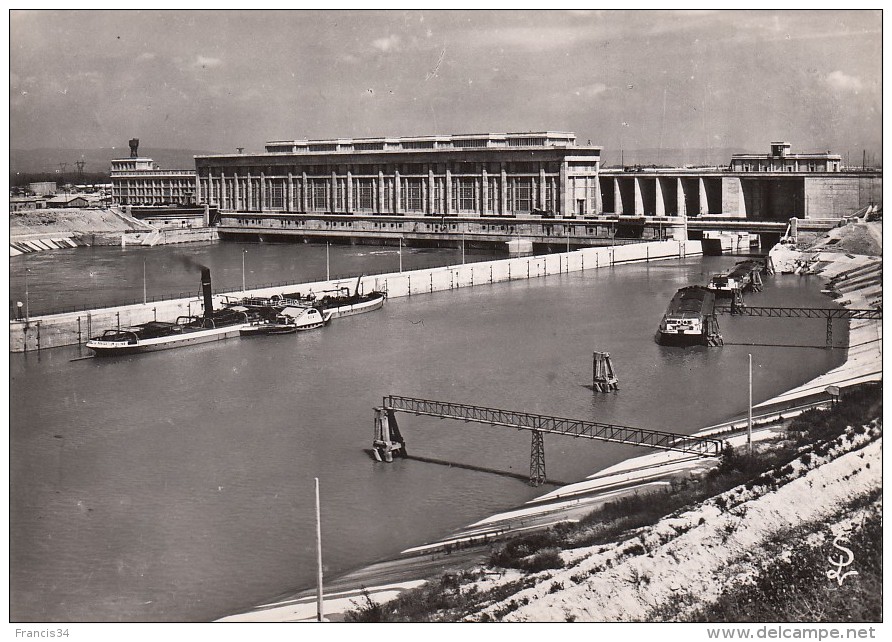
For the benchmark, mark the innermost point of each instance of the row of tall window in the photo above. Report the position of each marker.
(416, 169)
(468, 195)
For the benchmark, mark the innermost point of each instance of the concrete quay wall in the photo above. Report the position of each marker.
(74, 328)
(169, 236)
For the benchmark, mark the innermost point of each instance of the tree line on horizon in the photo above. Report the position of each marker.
(22, 179)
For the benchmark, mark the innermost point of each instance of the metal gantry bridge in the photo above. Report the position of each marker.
(538, 425)
(807, 313)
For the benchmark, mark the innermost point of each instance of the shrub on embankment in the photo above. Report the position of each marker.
(794, 587)
(447, 599)
(815, 435)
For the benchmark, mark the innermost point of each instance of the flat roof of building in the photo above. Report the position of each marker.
(822, 155)
(540, 141)
(428, 137)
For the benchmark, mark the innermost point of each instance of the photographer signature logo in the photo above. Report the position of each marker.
(841, 562)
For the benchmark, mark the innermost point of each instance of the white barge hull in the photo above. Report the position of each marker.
(115, 348)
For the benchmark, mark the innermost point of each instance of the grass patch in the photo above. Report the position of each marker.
(795, 587)
(442, 600)
(855, 408)
(533, 552)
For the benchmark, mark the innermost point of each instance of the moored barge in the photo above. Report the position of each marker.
(213, 325)
(690, 319)
(746, 275)
(334, 303)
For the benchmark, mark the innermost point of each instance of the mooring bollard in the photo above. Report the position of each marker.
(603, 376)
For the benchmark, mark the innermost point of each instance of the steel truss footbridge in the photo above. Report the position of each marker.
(388, 439)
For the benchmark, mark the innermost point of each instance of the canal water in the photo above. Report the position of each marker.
(178, 485)
(84, 278)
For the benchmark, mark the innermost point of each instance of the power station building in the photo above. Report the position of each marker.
(511, 174)
(537, 175)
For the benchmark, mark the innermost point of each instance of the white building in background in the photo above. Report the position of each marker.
(139, 181)
(43, 189)
(781, 160)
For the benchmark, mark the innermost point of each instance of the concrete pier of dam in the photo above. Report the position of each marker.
(73, 328)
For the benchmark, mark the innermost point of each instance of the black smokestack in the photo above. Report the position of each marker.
(206, 291)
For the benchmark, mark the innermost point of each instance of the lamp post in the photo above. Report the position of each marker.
(27, 316)
(143, 281)
(320, 617)
(749, 422)
(462, 248)
(327, 261)
(401, 254)
(244, 289)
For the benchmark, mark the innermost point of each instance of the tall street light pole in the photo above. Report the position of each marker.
(143, 281)
(320, 616)
(244, 289)
(327, 261)
(27, 316)
(749, 423)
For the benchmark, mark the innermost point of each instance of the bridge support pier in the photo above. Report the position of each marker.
(713, 333)
(388, 439)
(756, 281)
(603, 376)
(537, 459)
(737, 302)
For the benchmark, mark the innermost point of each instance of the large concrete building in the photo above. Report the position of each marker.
(514, 174)
(139, 181)
(381, 187)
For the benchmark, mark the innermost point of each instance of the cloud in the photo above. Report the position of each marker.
(591, 91)
(841, 81)
(89, 76)
(206, 62)
(695, 12)
(538, 38)
(390, 43)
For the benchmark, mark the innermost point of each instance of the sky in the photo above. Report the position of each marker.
(218, 80)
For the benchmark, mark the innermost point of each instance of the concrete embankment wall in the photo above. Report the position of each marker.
(170, 236)
(76, 327)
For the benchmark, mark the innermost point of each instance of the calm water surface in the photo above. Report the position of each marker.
(79, 278)
(178, 486)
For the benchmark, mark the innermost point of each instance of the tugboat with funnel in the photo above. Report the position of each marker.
(334, 303)
(340, 302)
(213, 325)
